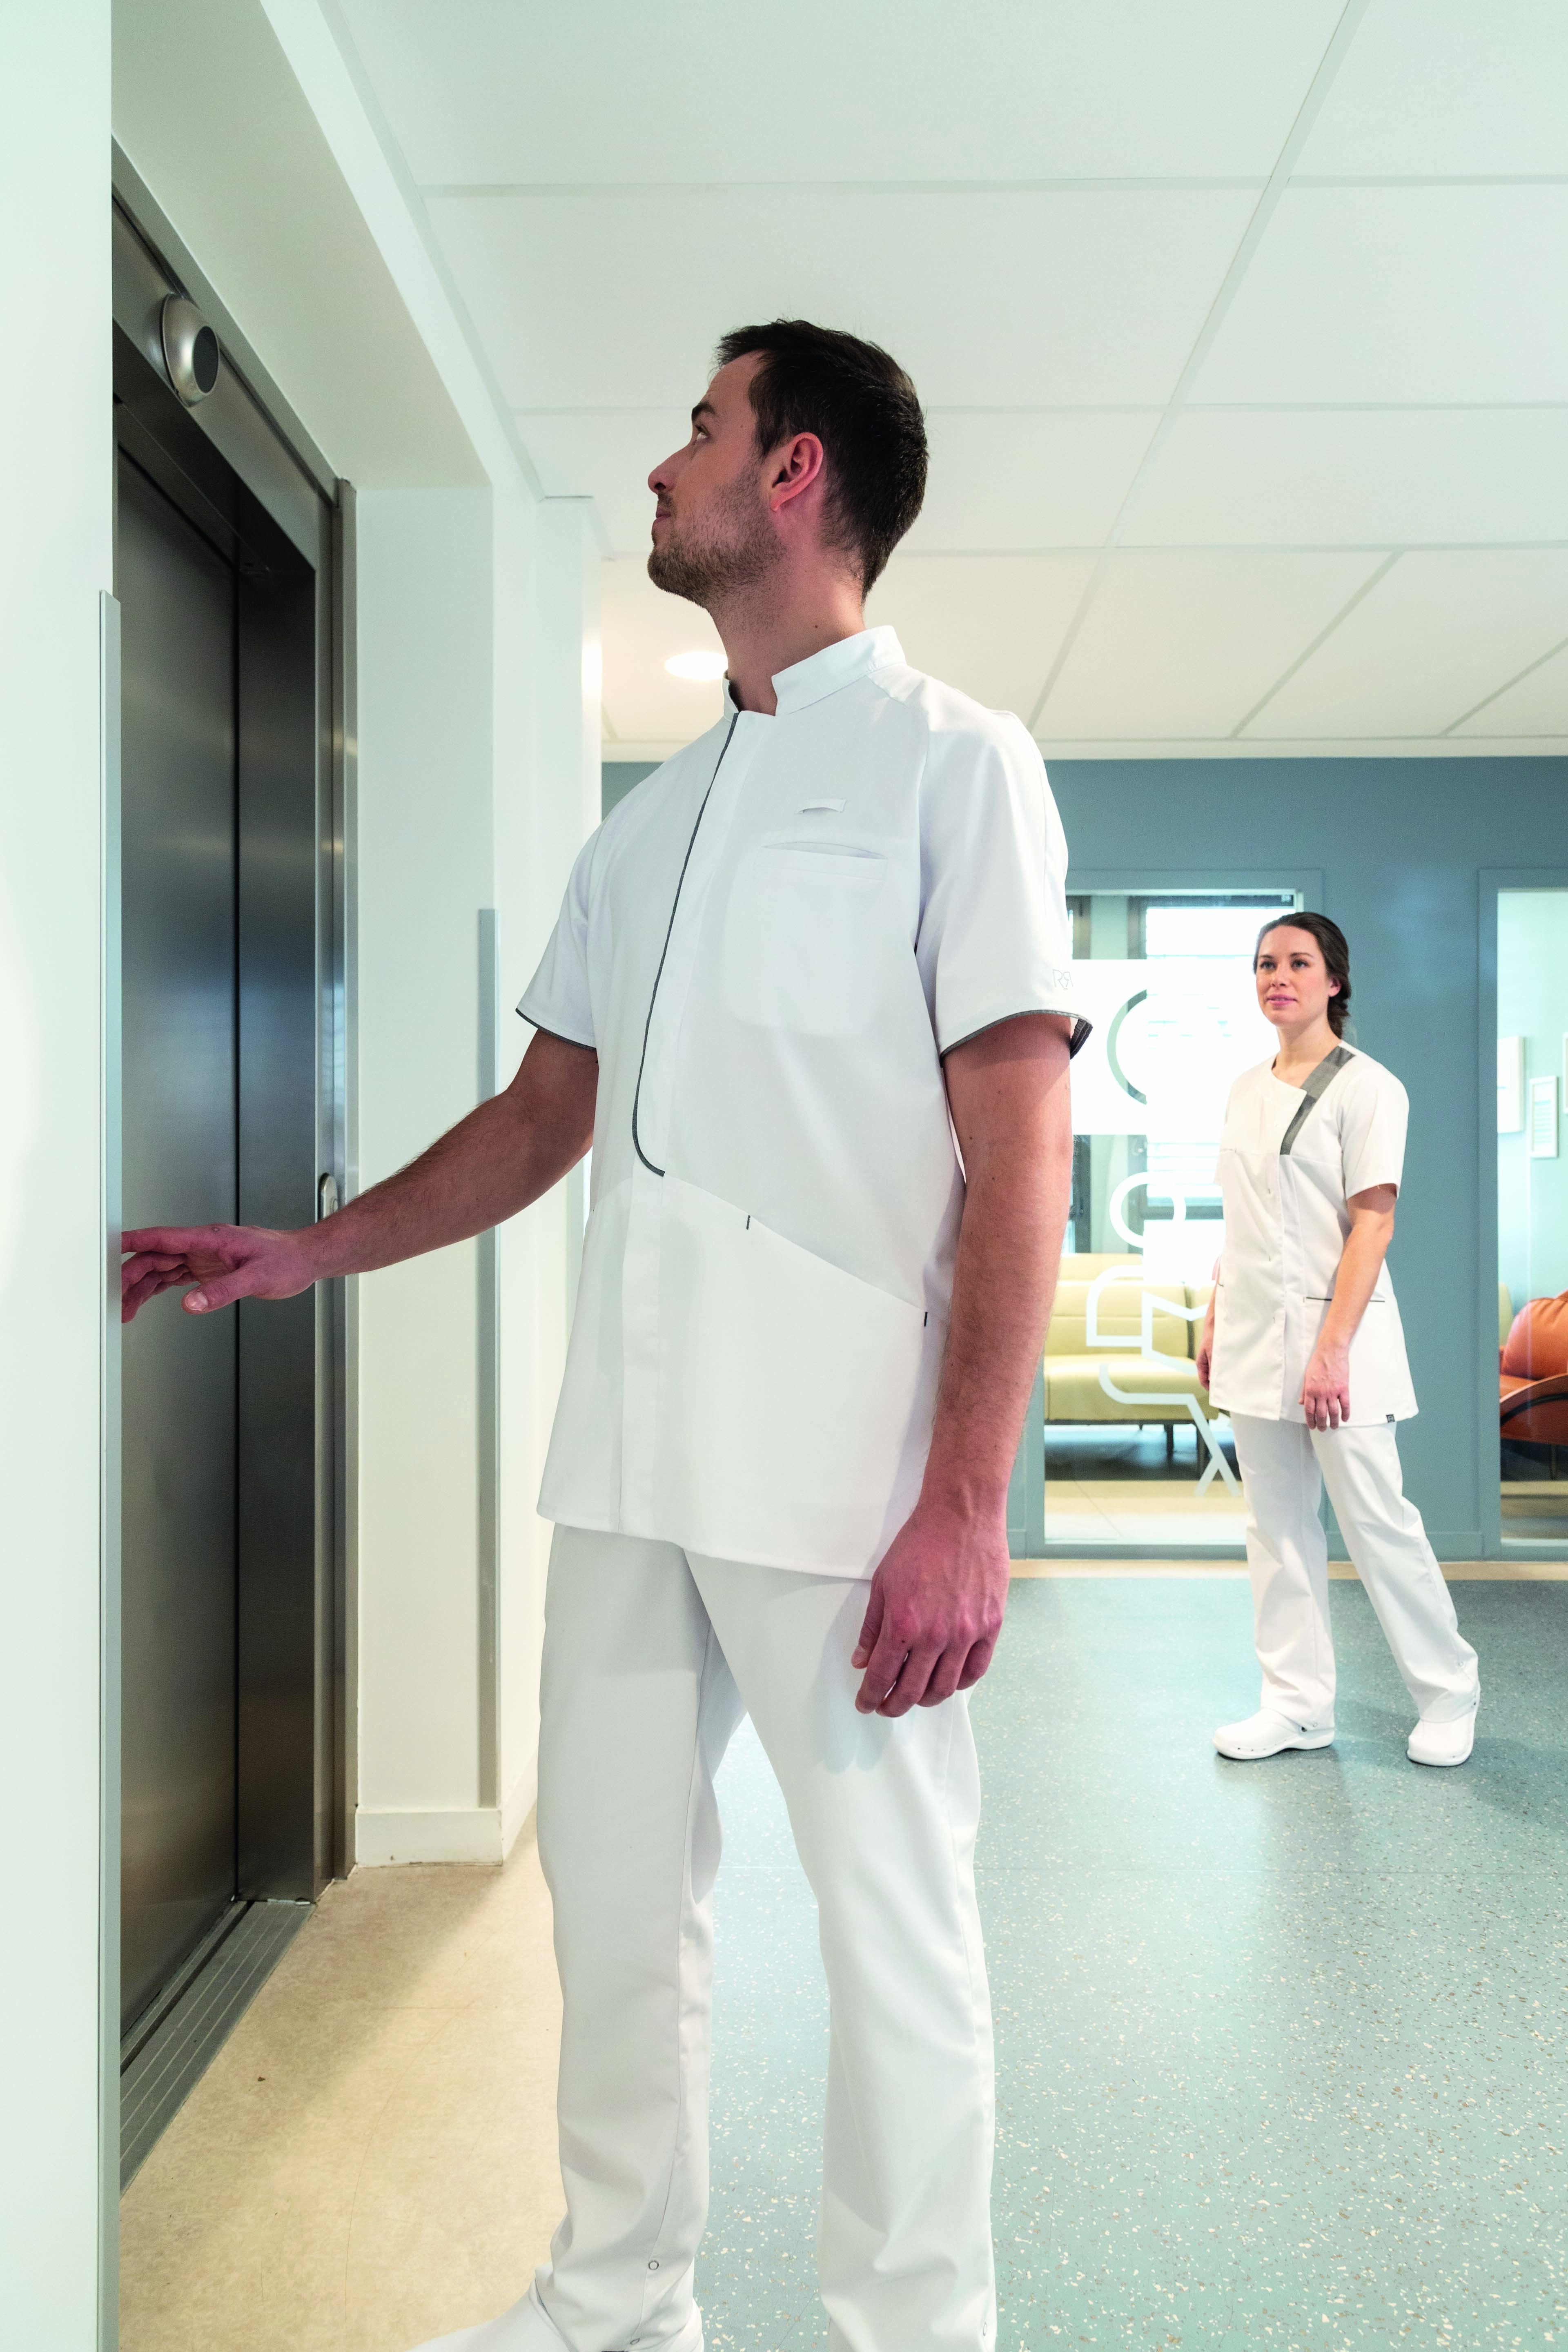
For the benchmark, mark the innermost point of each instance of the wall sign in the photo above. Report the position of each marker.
(1543, 1124)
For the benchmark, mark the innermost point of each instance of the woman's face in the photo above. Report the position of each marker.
(1294, 987)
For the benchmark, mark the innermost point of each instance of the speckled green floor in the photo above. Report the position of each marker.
(1280, 2045)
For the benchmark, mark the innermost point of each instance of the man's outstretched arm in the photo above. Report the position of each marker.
(937, 1599)
(493, 1163)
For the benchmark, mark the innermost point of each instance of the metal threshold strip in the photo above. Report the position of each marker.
(171, 2046)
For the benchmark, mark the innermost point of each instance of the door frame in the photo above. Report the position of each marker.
(1026, 1495)
(288, 498)
(1490, 882)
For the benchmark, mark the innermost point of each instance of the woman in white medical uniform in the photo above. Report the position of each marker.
(1302, 1346)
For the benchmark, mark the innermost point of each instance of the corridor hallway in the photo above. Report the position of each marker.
(1279, 2059)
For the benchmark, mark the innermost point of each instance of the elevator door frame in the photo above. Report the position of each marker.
(241, 468)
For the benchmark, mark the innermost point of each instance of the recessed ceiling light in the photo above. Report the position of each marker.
(699, 665)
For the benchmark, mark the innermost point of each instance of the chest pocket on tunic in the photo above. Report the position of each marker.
(803, 947)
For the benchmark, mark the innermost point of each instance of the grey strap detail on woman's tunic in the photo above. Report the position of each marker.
(1318, 1084)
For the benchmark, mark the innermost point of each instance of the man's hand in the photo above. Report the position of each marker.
(1326, 1391)
(223, 1262)
(493, 1163)
(935, 1611)
(938, 1598)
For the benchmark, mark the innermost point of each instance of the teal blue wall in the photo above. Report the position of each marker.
(1532, 1004)
(616, 778)
(1402, 845)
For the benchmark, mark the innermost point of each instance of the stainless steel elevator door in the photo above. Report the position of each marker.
(178, 769)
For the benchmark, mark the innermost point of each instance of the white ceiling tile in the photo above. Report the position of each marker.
(615, 301)
(989, 624)
(1400, 294)
(1536, 704)
(1448, 87)
(613, 90)
(1269, 476)
(1184, 644)
(1013, 480)
(1435, 636)
(642, 627)
(606, 457)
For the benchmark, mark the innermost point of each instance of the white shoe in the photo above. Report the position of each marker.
(1442, 1743)
(1267, 1734)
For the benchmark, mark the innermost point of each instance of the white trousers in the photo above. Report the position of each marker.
(651, 1659)
(1284, 1468)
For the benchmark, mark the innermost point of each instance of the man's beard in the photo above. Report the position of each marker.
(735, 550)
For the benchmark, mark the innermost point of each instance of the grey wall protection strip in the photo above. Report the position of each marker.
(108, 1484)
(488, 1335)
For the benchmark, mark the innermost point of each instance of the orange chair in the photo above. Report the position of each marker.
(1532, 1382)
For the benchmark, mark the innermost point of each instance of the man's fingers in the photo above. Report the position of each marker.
(944, 1677)
(870, 1626)
(882, 1670)
(135, 1295)
(910, 1687)
(162, 1241)
(976, 1663)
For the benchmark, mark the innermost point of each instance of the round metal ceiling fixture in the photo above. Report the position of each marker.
(191, 351)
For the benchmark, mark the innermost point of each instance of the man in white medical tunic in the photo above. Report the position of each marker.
(809, 998)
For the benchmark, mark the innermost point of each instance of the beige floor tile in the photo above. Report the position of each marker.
(370, 2159)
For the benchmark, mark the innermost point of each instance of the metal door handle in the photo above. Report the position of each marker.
(327, 1195)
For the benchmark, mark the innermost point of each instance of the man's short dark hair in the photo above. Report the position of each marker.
(863, 409)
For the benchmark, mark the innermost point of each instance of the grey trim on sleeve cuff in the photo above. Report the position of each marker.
(1080, 1027)
(553, 1029)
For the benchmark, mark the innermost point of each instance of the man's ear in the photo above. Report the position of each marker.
(793, 467)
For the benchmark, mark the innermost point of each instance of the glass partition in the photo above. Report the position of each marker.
(1134, 1454)
(1532, 1214)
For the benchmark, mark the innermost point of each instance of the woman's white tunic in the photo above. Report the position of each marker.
(1288, 1167)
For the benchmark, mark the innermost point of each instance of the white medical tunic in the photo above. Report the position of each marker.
(771, 943)
(1288, 1166)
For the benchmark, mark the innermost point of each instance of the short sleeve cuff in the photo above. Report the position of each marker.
(536, 1008)
(993, 1020)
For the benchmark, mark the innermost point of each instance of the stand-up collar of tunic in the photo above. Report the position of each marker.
(805, 682)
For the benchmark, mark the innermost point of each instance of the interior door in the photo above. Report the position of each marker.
(178, 766)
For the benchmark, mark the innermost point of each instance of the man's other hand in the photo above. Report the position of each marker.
(223, 1262)
(936, 1609)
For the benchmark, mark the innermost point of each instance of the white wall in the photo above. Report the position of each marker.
(479, 737)
(426, 866)
(478, 749)
(547, 791)
(54, 562)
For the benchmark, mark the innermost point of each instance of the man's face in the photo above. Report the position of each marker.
(712, 529)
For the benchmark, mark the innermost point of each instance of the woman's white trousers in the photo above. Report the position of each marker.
(651, 1659)
(1284, 1468)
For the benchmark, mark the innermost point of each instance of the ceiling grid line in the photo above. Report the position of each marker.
(1317, 91)
(1305, 655)
(1507, 686)
(527, 191)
